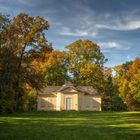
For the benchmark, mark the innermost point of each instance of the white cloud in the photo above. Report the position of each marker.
(67, 31)
(90, 24)
(128, 57)
(105, 45)
(127, 25)
(128, 20)
(111, 45)
(82, 26)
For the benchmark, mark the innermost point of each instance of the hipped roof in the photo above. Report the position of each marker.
(81, 89)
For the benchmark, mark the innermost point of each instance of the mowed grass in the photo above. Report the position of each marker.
(70, 126)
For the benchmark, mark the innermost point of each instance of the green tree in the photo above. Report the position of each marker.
(7, 71)
(91, 75)
(85, 63)
(55, 69)
(111, 99)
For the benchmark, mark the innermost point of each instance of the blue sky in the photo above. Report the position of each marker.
(113, 24)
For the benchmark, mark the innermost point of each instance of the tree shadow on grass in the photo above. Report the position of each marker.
(70, 126)
(68, 130)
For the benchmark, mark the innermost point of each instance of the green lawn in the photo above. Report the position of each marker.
(70, 126)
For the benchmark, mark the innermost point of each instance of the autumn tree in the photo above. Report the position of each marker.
(24, 39)
(53, 68)
(134, 77)
(135, 88)
(127, 79)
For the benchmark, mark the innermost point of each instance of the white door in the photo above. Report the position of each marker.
(68, 103)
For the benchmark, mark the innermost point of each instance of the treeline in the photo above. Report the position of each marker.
(28, 63)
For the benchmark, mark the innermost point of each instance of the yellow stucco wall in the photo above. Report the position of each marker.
(79, 102)
(47, 105)
(91, 99)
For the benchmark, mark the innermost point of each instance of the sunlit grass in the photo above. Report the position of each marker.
(70, 126)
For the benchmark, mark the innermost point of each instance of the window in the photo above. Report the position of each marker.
(87, 102)
(80, 103)
(50, 102)
(42, 103)
(96, 104)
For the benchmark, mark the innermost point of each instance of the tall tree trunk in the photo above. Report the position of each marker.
(19, 93)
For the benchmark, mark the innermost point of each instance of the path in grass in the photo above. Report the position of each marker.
(70, 126)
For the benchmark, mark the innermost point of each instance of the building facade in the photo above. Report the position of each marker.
(69, 97)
